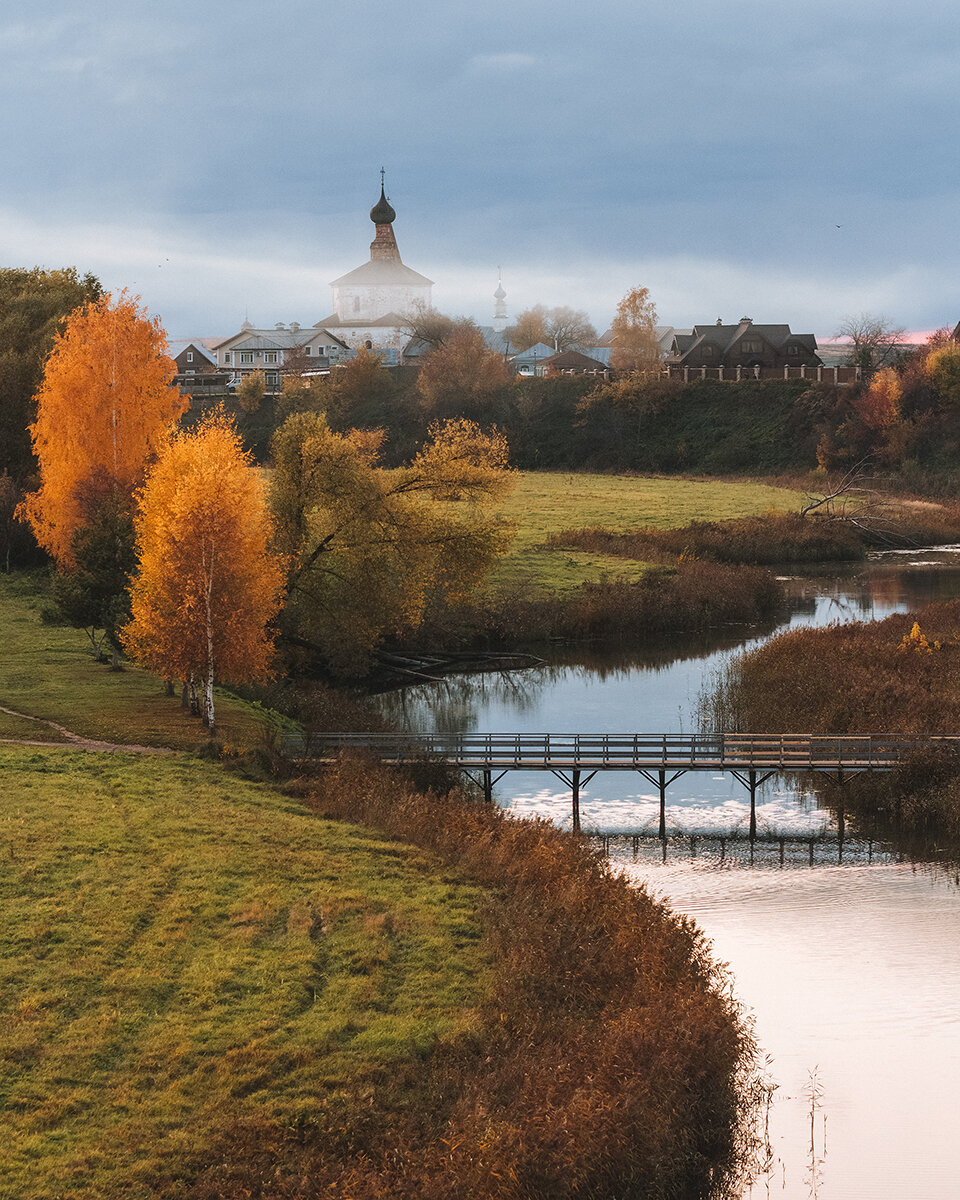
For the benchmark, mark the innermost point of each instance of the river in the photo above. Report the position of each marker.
(850, 969)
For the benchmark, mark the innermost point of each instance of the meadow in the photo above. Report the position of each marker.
(546, 503)
(48, 671)
(181, 951)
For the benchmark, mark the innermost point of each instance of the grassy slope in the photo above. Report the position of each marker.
(549, 502)
(48, 671)
(179, 948)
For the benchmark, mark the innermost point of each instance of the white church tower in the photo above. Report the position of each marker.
(370, 303)
(500, 307)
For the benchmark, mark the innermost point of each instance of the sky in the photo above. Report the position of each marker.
(791, 163)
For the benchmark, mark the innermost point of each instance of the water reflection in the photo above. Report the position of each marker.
(850, 968)
(852, 972)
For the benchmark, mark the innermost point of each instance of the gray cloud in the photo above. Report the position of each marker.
(585, 151)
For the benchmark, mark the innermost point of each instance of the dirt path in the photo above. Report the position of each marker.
(74, 740)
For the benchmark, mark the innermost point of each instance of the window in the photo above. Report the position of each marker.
(708, 350)
(306, 349)
(270, 356)
(226, 356)
(793, 351)
(750, 347)
(189, 356)
(246, 356)
(272, 378)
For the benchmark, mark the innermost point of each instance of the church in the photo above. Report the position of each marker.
(370, 306)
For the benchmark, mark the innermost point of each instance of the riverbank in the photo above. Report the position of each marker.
(217, 989)
(782, 538)
(900, 675)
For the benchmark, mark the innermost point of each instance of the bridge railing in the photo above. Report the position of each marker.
(787, 752)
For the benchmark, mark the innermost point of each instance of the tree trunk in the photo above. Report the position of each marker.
(208, 714)
(168, 687)
(184, 695)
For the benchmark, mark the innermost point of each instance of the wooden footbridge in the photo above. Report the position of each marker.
(575, 758)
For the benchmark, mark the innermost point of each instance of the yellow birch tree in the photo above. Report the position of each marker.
(208, 584)
(104, 409)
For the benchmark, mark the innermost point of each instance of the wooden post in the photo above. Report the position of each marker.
(753, 806)
(662, 831)
(488, 786)
(575, 778)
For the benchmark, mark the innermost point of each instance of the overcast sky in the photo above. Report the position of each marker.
(787, 162)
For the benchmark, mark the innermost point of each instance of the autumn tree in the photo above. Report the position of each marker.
(635, 347)
(429, 327)
(354, 392)
(33, 302)
(562, 327)
(208, 583)
(371, 551)
(105, 407)
(878, 404)
(874, 341)
(251, 390)
(943, 370)
(93, 594)
(463, 374)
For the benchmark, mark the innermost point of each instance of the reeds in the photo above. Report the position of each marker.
(690, 597)
(777, 538)
(860, 678)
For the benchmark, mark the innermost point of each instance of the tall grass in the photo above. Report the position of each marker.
(690, 597)
(776, 538)
(860, 678)
(610, 1055)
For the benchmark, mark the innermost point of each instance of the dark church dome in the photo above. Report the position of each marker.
(382, 213)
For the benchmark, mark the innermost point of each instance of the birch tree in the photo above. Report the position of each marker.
(104, 409)
(208, 584)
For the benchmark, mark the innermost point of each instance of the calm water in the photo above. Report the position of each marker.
(851, 971)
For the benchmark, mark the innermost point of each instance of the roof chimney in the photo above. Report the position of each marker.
(746, 320)
(719, 320)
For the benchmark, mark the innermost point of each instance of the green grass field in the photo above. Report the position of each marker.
(549, 502)
(180, 949)
(48, 671)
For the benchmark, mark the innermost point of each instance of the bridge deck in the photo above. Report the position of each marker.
(626, 752)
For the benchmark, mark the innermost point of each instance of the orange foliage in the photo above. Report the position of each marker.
(635, 345)
(879, 404)
(462, 371)
(208, 585)
(104, 408)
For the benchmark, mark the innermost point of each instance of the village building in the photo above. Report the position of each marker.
(371, 304)
(370, 309)
(743, 345)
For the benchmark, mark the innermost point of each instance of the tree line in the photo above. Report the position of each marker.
(171, 545)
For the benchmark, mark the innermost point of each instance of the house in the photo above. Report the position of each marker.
(743, 345)
(270, 350)
(574, 362)
(532, 361)
(197, 371)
